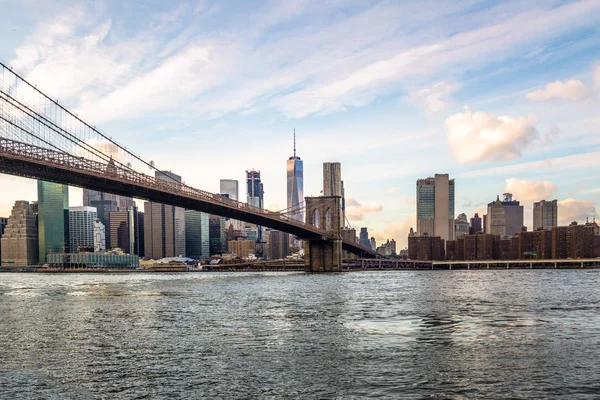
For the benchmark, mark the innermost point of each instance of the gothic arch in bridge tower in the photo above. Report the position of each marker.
(328, 220)
(316, 219)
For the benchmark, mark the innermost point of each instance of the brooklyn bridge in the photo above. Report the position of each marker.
(41, 139)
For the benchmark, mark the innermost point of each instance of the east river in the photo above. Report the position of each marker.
(421, 334)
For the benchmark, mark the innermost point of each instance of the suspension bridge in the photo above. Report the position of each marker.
(41, 139)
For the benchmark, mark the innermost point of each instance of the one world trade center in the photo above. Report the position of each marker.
(295, 187)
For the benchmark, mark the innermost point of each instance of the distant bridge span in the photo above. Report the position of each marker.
(40, 139)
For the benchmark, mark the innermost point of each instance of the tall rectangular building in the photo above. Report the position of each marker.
(126, 230)
(230, 188)
(53, 219)
(19, 241)
(164, 225)
(3, 223)
(255, 195)
(279, 245)
(545, 214)
(504, 218)
(217, 235)
(105, 203)
(435, 206)
(99, 236)
(295, 183)
(475, 226)
(197, 238)
(81, 228)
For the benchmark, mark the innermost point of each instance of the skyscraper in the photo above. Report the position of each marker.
(20, 238)
(164, 225)
(99, 236)
(255, 189)
(230, 188)
(545, 214)
(255, 195)
(104, 203)
(461, 225)
(505, 222)
(435, 206)
(496, 219)
(3, 223)
(364, 237)
(125, 230)
(81, 228)
(217, 235)
(197, 237)
(295, 183)
(279, 245)
(53, 219)
(476, 224)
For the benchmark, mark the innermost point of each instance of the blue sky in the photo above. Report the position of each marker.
(503, 96)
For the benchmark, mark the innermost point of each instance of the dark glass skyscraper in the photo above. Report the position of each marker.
(53, 219)
(364, 237)
(197, 237)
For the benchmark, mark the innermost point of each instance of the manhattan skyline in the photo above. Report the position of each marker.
(500, 103)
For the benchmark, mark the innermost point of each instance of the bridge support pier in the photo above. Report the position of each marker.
(324, 254)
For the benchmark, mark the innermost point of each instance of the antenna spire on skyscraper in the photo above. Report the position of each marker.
(294, 142)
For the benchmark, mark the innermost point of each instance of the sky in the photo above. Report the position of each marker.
(501, 95)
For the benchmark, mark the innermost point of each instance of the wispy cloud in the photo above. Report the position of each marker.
(434, 98)
(356, 211)
(547, 165)
(337, 64)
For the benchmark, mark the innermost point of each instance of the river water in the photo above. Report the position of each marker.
(419, 334)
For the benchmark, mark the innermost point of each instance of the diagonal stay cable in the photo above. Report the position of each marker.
(74, 139)
(83, 122)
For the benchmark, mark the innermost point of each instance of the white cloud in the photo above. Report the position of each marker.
(392, 190)
(433, 98)
(528, 192)
(573, 89)
(570, 210)
(356, 211)
(480, 136)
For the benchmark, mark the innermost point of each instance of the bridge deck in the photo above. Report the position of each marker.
(27, 160)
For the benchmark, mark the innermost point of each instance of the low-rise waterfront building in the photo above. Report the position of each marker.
(109, 260)
(243, 248)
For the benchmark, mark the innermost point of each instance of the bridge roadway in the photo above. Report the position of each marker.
(26, 160)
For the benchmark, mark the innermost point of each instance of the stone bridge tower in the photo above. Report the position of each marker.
(324, 254)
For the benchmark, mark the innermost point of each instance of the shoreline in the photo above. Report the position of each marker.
(221, 270)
